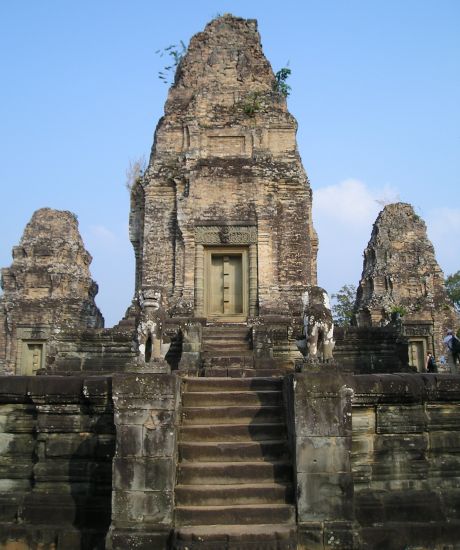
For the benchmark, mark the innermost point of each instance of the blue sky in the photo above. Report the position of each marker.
(375, 90)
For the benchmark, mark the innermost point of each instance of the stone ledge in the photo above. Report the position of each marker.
(404, 388)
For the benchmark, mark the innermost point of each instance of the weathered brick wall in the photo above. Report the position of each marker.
(400, 270)
(91, 352)
(406, 460)
(48, 288)
(369, 350)
(56, 448)
(224, 153)
(377, 460)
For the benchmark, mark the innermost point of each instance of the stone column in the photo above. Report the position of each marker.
(320, 435)
(144, 467)
(199, 280)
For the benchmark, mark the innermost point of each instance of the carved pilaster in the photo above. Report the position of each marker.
(199, 279)
(252, 279)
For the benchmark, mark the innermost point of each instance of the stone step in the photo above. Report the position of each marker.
(236, 537)
(234, 355)
(218, 495)
(232, 415)
(229, 515)
(225, 336)
(241, 372)
(231, 473)
(233, 432)
(230, 361)
(230, 330)
(241, 451)
(248, 398)
(225, 346)
(217, 384)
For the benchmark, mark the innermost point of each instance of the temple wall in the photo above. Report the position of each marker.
(406, 459)
(91, 352)
(368, 350)
(377, 459)
(56, 446)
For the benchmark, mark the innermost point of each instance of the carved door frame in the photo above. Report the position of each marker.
(242, 252)
(222, 236)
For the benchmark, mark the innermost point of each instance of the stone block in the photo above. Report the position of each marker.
(16, 444)
(401, 419)
(388, 388)
(323, 454)
(443, 416)
(17, 418)
(156, 402)
(97, 388)
(369, 507)
(145, 385)
(324, 497)
(70, 445)
(155, 507)
(444, 442)
(451, 503)
(16, 467)
(130, 441)
(143, 474)
(362, 446)
(362, 474)
(415, 444)
(119, 539)
(14, 389)
(363, 420)
(412, 506)
(318, 416)
(340, 535)
(310, 536)
(159, 442)
(322, 405)
(322, 383)
(14, 486)
(56, 389)
(9, 506)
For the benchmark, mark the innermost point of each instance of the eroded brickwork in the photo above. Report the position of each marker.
(224, 155)
(56, 446)
(47, 289)
(401, 275)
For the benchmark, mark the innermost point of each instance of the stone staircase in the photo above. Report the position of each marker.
(227, 350)
(234, 481)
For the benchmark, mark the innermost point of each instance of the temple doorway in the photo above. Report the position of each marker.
(226, 283)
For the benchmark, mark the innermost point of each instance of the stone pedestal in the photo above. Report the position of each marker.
(144, 466)
(320, 436)
(191, 346)
(154, 366)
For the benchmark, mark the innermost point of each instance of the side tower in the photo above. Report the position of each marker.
(401, 278)
(47, 289)
(221, 222)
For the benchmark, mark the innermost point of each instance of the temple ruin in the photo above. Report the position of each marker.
(402, 279)
(217, 414)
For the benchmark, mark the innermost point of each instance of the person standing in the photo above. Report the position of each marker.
(430, 365)
(451, 343)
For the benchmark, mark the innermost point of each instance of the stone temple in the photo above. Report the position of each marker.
(222, 412)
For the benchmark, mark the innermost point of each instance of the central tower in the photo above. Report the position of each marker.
(221, 221)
